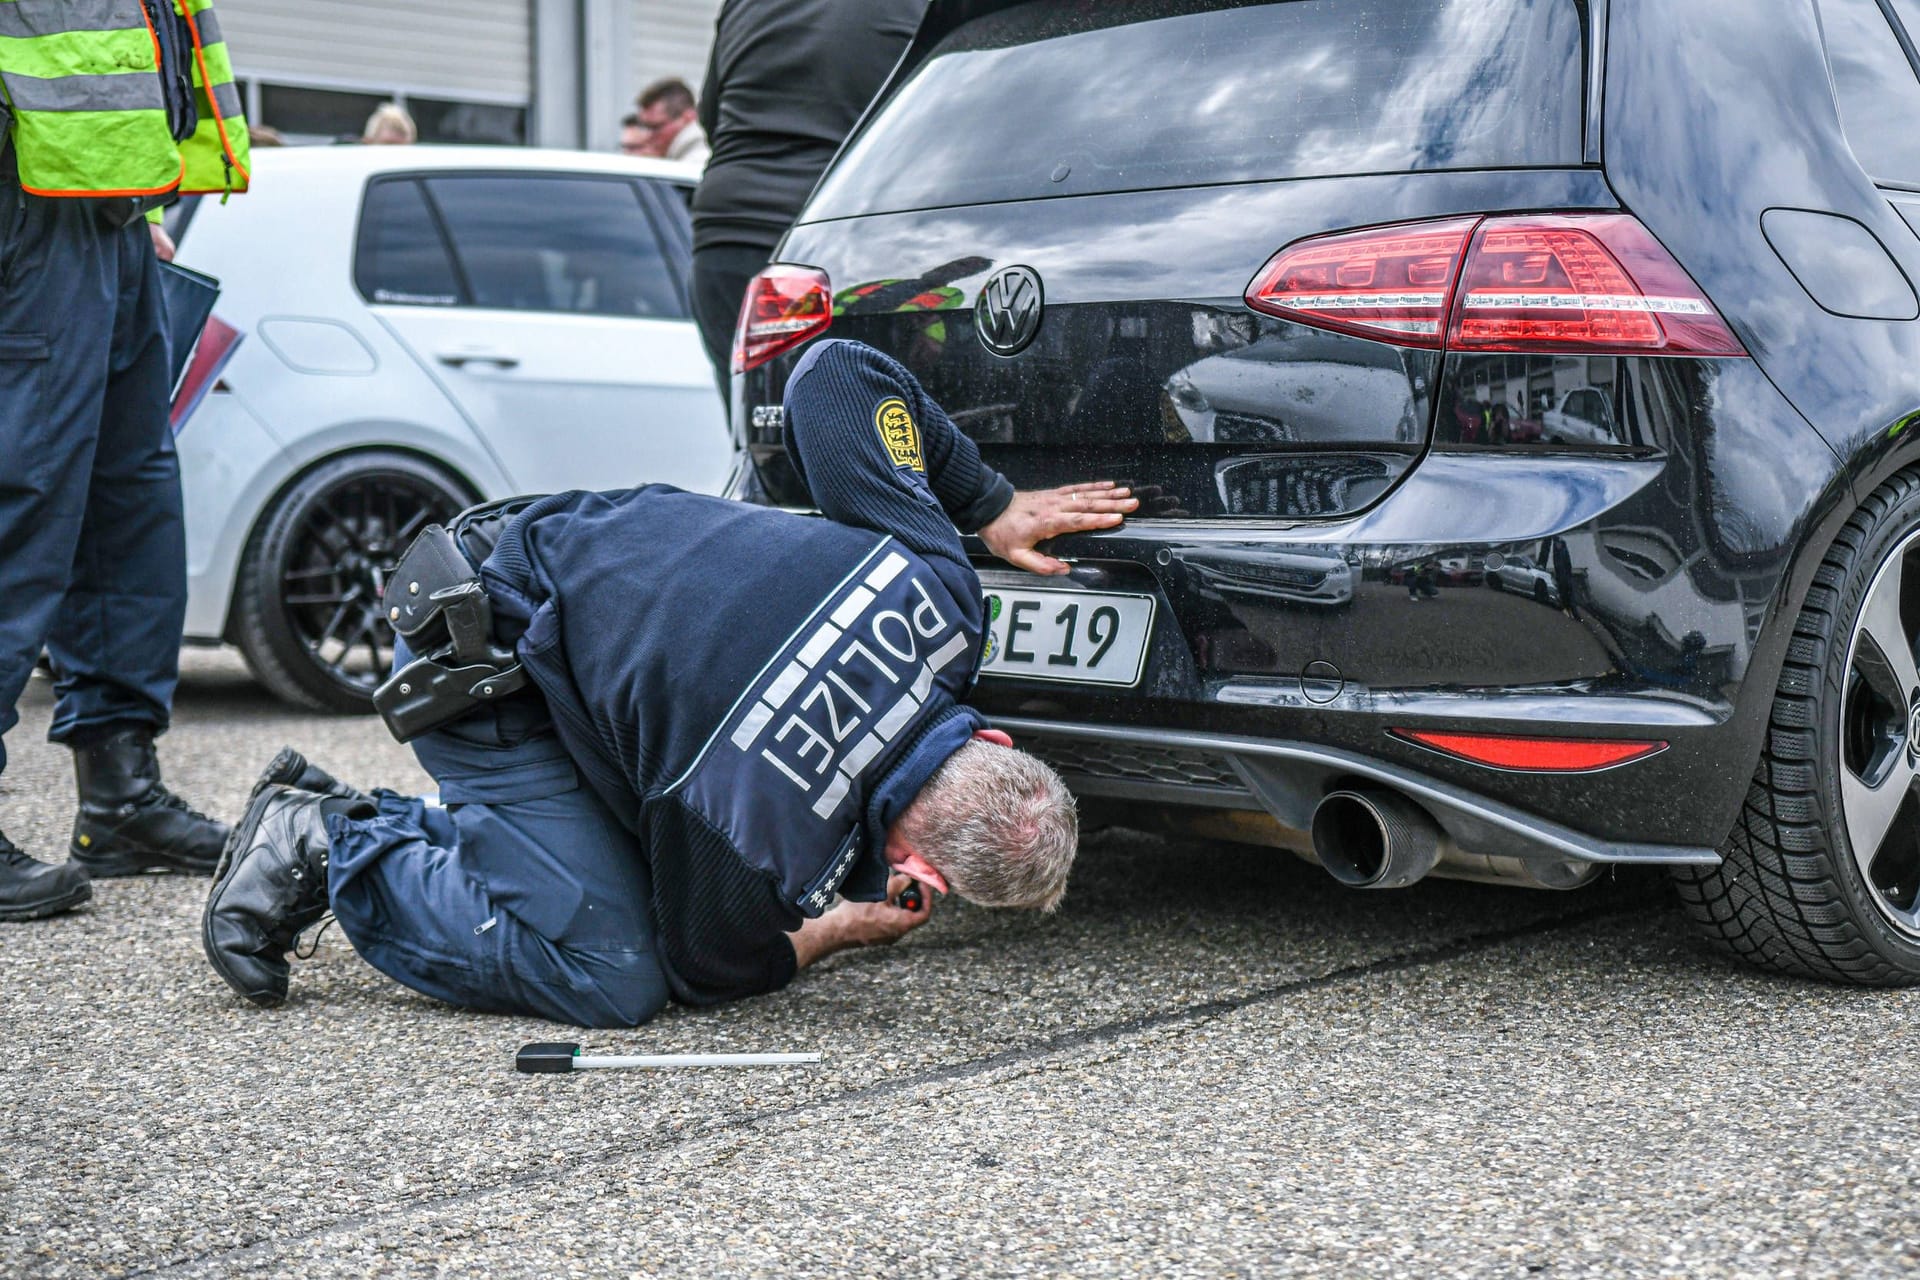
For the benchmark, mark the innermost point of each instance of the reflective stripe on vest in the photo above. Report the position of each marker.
(81, 79)
(22, 19)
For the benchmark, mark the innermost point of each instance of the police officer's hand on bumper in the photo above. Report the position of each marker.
(1035, 515)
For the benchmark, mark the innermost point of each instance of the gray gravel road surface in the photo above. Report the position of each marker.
(1212, 1062)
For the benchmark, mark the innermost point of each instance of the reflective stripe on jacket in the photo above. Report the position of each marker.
(82, 80)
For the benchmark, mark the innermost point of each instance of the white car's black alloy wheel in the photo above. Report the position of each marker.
(307, 608)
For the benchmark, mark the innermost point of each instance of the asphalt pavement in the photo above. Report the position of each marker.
(1212, 1062)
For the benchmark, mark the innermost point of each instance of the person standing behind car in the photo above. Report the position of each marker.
(672, 126)
(633, 135)
(108, 110)
(786, 82)
(390, 125)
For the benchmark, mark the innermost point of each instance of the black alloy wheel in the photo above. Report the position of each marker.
(1821, 875)
(307, 607)
(1879, 772)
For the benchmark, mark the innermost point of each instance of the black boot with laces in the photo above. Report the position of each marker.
(30, 888)
(271, 885)
(128, 821)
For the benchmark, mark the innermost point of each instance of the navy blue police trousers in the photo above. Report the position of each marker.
(92, 539)
(519, 893)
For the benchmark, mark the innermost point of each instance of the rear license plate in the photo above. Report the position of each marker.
(1090, 637)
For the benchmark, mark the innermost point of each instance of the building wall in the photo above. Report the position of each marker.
(473, 48)
(553, 72)
(671, 38)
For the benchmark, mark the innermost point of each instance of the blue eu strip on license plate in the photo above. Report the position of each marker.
(1087, 637)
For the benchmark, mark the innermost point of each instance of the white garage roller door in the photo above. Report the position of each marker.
(476, 50)
(671, 38)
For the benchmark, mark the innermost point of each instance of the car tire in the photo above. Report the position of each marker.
(306, 605)
(1790, 894)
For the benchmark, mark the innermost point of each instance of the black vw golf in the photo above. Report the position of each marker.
(1527, 393)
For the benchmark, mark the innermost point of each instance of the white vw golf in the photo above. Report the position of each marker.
(423, 328)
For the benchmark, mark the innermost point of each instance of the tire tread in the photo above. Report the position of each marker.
(1775, 900)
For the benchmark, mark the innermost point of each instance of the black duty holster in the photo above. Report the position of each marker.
(435, 601)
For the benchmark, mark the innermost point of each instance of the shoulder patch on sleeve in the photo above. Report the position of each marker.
(899, 434)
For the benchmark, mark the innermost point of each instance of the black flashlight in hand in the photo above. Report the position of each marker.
(911, 898)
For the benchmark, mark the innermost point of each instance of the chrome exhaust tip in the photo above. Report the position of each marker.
(1373, 838)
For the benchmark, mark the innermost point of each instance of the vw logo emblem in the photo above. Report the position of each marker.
(1007, 314)
(1913, 729)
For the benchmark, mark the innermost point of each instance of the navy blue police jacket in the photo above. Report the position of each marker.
(757, 694)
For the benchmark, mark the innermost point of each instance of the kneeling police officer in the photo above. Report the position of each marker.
(669, 730)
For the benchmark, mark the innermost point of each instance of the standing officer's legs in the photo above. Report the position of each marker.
(115, 641)
(90, 498)
(57, 300)
(522, 895)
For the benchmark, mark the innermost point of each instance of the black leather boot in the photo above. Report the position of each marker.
(30, 889)
(271, 884)
(290, 769)
(128, 821)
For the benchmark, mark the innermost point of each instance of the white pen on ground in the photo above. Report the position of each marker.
(560, 1057)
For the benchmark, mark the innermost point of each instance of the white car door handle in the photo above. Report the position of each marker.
(459, 359)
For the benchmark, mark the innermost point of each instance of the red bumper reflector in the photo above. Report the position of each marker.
(1534, 755)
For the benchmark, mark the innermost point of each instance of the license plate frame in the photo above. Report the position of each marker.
(1044, 635)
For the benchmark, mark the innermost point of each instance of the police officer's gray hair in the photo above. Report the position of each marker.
(999, 825)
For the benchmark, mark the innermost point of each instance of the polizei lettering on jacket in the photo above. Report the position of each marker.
(787, 773)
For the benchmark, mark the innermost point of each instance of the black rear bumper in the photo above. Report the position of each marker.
(1285, 780)
(1561, 594)
(1531, 588)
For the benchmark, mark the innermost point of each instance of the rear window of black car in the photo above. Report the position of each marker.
(1877, 89)
(1050, 98)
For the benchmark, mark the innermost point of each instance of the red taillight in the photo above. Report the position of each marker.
(215, 346)
(785, 305)
(1391, 283)
(1536, 755)
(1582, 282)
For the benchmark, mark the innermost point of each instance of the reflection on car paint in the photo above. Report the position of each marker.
(1624, 585)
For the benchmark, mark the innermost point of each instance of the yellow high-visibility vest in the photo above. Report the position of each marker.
(81, 80)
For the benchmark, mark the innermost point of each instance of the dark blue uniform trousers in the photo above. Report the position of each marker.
(524, 894)
(92, 542)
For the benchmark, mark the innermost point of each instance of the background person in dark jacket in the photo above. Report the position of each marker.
(741, 713)
(786, 82)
